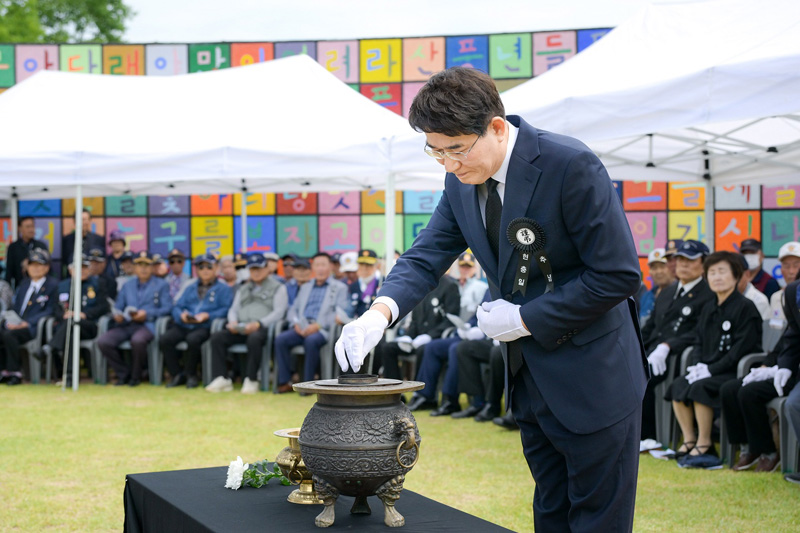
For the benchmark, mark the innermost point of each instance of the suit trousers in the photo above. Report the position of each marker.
(388, 354)
(88, 329)
(744, 408)
(283, 354)
(194, 340)
(437, 352)
(471, 355)
(139, 336)
(583, 482)
(222, 340)
(12, 340)
(792, 407)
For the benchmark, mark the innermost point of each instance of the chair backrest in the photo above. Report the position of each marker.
(770, 336)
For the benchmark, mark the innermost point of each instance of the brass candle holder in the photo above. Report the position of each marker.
(292, 466)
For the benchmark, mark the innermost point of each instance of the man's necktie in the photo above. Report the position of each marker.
(680, 293)
(494, 208)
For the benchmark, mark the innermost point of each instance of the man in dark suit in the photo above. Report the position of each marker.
(576, 365)
(36, 298)
(91, 240)
(19, 250)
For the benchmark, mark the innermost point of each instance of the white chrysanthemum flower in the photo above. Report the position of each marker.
(236, 472)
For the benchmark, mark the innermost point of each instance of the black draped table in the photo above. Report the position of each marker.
(197, 500)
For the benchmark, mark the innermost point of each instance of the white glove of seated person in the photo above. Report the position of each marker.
(781, 378)
(421, 340)
(658, 359)
(697, 372)
(358, 338)
(762, 373)
(405, 343)
(472, 334)
(501, 321)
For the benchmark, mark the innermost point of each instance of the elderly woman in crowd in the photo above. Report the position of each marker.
(729, 328)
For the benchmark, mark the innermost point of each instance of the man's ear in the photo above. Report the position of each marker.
(498, 126)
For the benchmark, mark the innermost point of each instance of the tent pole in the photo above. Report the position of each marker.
(709, 207)
(77, 294)
(244, 221)
(14, 214)
(389, 238)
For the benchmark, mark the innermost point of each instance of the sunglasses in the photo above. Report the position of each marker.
(204, 266)
(175, 261)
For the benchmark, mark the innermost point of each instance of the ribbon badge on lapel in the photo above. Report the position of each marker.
(528, 239)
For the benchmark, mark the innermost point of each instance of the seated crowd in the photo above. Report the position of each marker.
(718, 305)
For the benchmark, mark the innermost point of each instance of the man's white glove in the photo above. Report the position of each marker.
(358, 338)
(501, 321)
(697, 372)
(658, 359)
(471, 334)
(781, 378)
(421, 340)
(762, 373)
(404, 343)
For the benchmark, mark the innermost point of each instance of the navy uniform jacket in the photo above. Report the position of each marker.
(95, 298)
(216, 302)
(585, 351)
(789, 355)
(674, 320)
(91, 240)
(43, 303)
(155, 299)
(357, 304)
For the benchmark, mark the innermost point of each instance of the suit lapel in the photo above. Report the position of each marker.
(520, 187)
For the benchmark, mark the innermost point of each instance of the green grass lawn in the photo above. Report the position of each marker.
(64, 457)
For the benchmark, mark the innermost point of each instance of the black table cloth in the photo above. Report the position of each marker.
(197, 500)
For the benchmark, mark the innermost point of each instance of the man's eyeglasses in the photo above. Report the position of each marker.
(204, 266)
(175, 261)
(455, 156)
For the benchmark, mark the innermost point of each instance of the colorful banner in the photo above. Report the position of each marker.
(7, 65)
(260, 203)
(304, 203)
(471, 51)
(308, 48)
(644, 196)
(586, 38)
(783, 197)
(126, 206)
(167, 59)
(737, 197)
(381, 60)
(649, 230)
(732, 227)
(96, 206)
(373, 201)
(31, 58)
(260, 234)
(552, 49)
(422, 58)
(339, 203)
(48, 230)
(134, 229)
(125, 60)
(82, 58)
(166, 234)
(686, 197)
(510, 56)
(168, 205)
(373, 233)
(689, 225)
(779, 227)
(297, 235)
(410, 90)
(340, 58)
(212, 204)
(421, 201)
(413, 224)
(249, 53)
(338, 234)
(212, 235)
(388, 95)
(40, 208)
(205, 57)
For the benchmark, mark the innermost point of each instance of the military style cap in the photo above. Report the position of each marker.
(271, 256)
(336, 258)
(116, 235)
(86, 261)
(39, 255)
(256, 261)
(367, 257)
(239, 260)
(790, 248)
(466, 259)
(348, 262)
(672, 247)
(97, 255)
(127, 255)
(750, 245)
(176, 253)
(659, 255)
(692, 250)
(157, 259)
(143, 258)
(289, 259)
(205, 258)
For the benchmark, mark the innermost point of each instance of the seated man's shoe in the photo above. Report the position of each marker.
(192, 382)
(487, 414)
(121, 381)
(286, 387)
(447, 408)
(250, 386)
(419, 402)
(220, 384)
(506, 421)
(14, 380)
(469, 412)
(178, 380)
(4, 378)
(768, 464)
(793, 478)
(746, 461)
(134, 383)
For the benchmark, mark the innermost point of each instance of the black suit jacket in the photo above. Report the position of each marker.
(584, 352)
(17, 252)
(674, 320)
(789, 356)
(92, 240)
(43, 303)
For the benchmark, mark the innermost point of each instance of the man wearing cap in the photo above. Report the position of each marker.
(746, 288)
(19, 250)
(671, 326)
(789, 257)
(662, 278)
(272, 266)
(227, 272)
(311, 318)
(669, 252)
(575, 362)
(348, 265)
(98, 267)
(470, 288)
(336, 266)
(35, 298)
(94, 304)
(751, 249)
(301, 274)
(116, 240)
(259, 302)
(139, 304)
(364, 291)
(292, 286)
(90, 240)
(200, 303)
(126, 269)
(176, 278)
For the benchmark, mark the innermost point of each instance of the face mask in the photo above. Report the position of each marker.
(243, 274)
(753, 261)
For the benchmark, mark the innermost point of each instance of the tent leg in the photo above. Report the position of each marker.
(14, 214)
(77, 266)
(389, 237)
(244, 221)
(709, 215)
